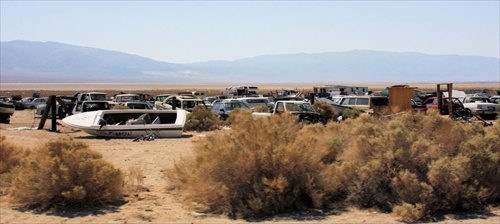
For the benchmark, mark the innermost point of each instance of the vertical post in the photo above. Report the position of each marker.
(53, 113)
(450, 102)
(45, 114)
(440, 99)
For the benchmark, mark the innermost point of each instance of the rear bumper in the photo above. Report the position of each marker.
(485, 112)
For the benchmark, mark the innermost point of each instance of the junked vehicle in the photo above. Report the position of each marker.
(160, 98)
(129, 97)
(303, 109)
(431, 103)
(181, 102)
(6, 110)
(482, 106)
(68, 101)
(209, 100)
(225, 107)
(18, 102)
(257, 101)
(92, 96)
(136, 105)
(337, 99)
(4, 99)
(495, 99)
(90, 105)
(198, 94)
(35, 102)
(417, 106)
(365, 103)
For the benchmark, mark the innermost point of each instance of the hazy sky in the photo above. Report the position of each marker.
(193, 31)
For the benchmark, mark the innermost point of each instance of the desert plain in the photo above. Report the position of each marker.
(153, 203)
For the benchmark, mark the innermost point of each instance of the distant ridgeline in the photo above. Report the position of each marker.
(25, 61)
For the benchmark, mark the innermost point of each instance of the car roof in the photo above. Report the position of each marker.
(128, 94)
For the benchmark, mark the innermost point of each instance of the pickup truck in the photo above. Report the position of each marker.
(303, 109)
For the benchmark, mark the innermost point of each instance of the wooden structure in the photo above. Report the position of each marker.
(440, 91)
(400, 97)
(51, 103)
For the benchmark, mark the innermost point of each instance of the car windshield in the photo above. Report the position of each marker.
(99, 97)
(302, 107)
(161, 98)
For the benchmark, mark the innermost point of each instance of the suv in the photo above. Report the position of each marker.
(92, 96)
(256, 101)
(365, 103)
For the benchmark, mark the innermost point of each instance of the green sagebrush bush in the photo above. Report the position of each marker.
(263, 166)
(202, 119)
(10, 158)
(63, 173)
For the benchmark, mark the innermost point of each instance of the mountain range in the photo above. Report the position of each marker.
(51, 62)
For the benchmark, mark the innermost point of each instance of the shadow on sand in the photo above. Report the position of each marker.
(76, 211)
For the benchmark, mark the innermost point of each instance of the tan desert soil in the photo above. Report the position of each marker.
(156, 205)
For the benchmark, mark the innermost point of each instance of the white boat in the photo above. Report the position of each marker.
(131, 123)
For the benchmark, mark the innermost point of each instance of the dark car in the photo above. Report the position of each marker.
(417, 106)
(224, 108)
(431, 103)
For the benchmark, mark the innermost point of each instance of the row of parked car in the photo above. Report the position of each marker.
(92, 101)
(222, 105)
(483, 106)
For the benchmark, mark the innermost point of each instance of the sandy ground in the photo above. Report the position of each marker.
(155, 204)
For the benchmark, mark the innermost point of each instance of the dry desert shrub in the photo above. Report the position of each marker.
(425, 164)
(409, 212)
(325, 110)
(350, 113)
(65, 172)
(135, 179)
(10, 158)
(414, 165)
(202, 119)
(120, 107)
(261, 108)
(263, 166)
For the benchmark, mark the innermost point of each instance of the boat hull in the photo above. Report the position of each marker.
(126, 123)
(170, 132)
